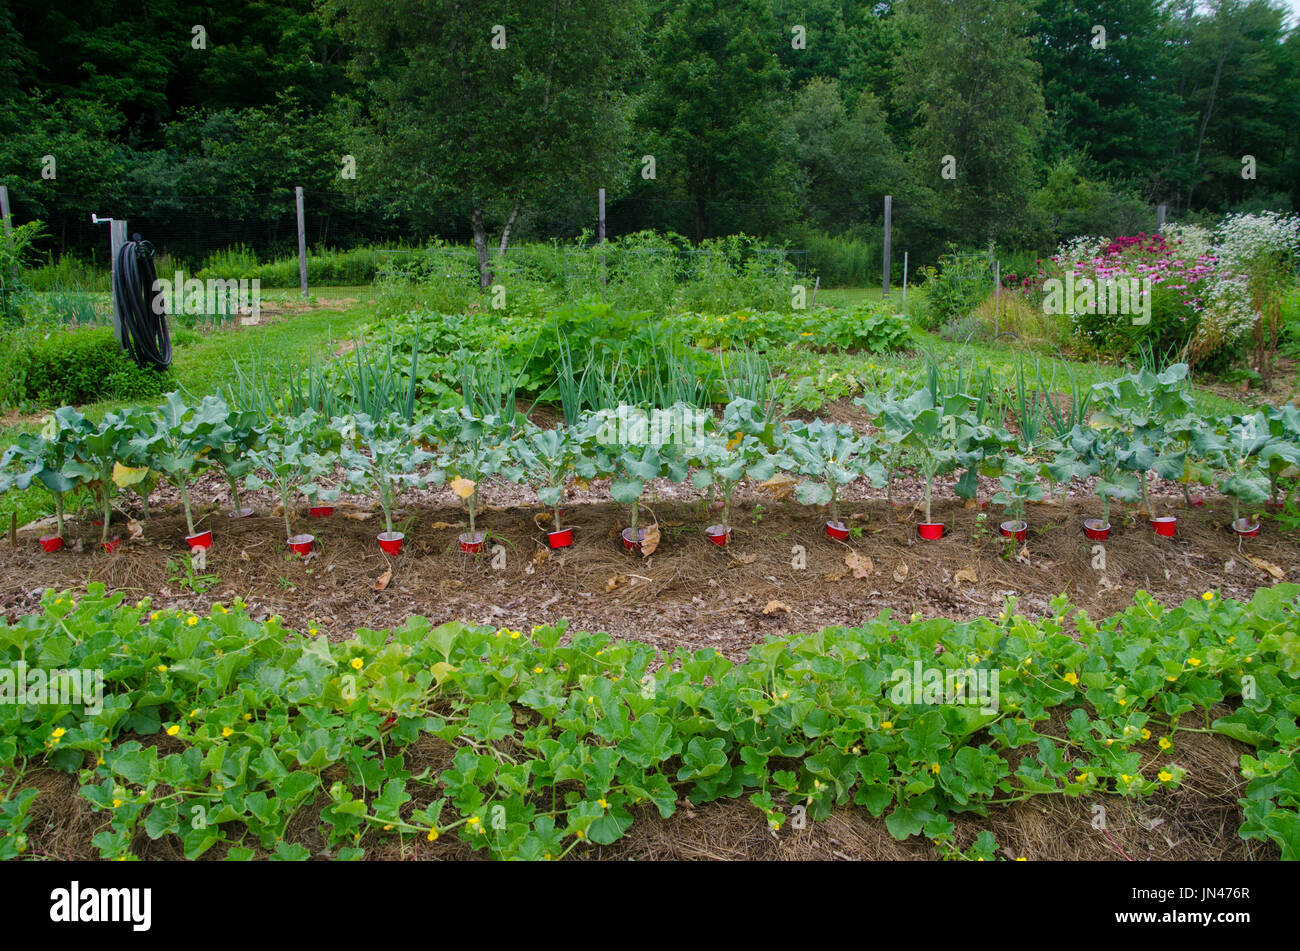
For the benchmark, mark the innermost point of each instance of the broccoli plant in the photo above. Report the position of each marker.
(941, 432)
(286, 461)
(43, 457)
(634, 446)
(1197, 443)
(232, 455)
(476, 449)
(1148, 408)
(742, 448)
(1280, 459)
(548, 457)
(1019, 487)
(97, 455)
(382, 459)
(1249, 440)
(180, 441)
(832, 456)
(1103, 450)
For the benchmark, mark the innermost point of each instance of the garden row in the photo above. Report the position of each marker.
(531, 744)
(584, 355)
(1141, 424)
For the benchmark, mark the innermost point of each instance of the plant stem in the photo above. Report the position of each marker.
(473, 504)
(386, 503)
(1105, 510)
(58, 512)
(1146, 501)
(726, 507)
(929, 482)
(285, 498)
(835, 503)
(108, 511)
(635, 505)
(185, 500)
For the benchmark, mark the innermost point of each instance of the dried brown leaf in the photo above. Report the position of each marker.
(381, 583)
(773, 607)
(1268, 566)
(860, 566)
(650, 542)
(780, 486)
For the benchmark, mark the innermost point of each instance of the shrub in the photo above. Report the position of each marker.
(72, 366)
(1015, 314)
(955, 288)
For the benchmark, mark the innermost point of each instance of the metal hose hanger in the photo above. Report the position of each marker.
(139, 312)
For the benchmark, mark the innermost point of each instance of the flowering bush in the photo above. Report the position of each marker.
(1196, 298)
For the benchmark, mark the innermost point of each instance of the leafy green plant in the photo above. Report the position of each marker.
(232, 455)
(548, 457)
(287, 461)
(742, 448)
(181, 439)
(1247, 438)
(98, 451)
(475, 449)
(1019, 487)
(382, 459)
(43, 457)
(634, 445)
(287, 740)
(832, 456)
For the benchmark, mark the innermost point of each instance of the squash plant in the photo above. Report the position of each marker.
(831, 456)
(43, 456)
(180, 440)
(286, 461)
(381, 459)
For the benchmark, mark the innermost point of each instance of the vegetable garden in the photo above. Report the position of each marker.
(523, 738)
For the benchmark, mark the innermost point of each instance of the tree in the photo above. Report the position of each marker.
(494, 107)
(1108, 84)
(845, 158)
(713, 108)
(974, 89)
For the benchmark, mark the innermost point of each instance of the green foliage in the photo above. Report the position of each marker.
(956, 287)
(562, 739)
(44, 366)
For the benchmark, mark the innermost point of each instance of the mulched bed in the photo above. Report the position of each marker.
(689, 592)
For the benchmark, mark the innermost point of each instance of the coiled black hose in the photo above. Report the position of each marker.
(141, 331)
